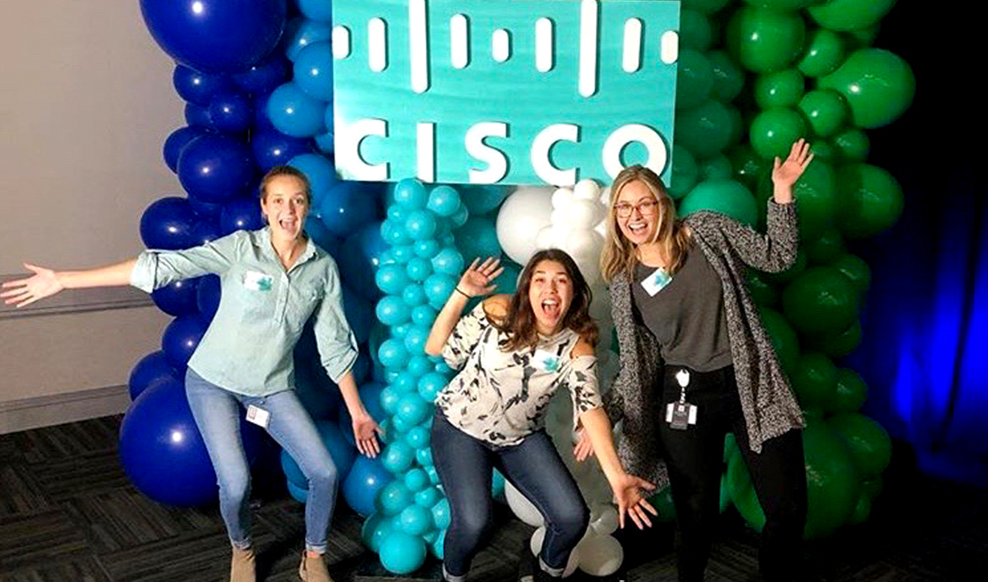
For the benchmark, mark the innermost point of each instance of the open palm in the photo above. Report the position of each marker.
(26, 291)
(477, 278)
(785, 173)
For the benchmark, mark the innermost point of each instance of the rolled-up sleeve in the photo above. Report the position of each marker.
(465, 337)
(156, 268)
(336, 342)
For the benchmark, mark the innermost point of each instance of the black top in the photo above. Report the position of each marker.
(687, 315)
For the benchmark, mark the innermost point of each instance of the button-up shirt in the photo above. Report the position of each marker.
(263, 309)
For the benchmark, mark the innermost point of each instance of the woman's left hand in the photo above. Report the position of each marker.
(365, 431)
(630, 500)
(785, 174)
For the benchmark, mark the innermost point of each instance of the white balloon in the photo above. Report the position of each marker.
(574, 557)
(600, 555)
(583, 214)
(521, 506)
(561, 198)
(586, 189)
(607, 522)
(560, 218)
(585, 244)
(605, 197)
(519, 220)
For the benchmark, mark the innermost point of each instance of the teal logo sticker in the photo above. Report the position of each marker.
(503, 92)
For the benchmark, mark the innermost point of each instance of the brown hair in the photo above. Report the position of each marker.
(619, 253)
(519, 321)
(279, 171)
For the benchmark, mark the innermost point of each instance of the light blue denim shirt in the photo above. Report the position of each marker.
(248, 346)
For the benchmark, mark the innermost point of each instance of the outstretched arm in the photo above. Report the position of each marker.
(786, 173)
(475, 281)
(46, 282)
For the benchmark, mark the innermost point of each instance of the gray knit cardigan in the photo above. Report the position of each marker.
(769, 407)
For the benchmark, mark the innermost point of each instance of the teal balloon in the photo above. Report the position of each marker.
(814, 380)
(765, 40)
(825, 110)
(846, 15)
(402, 553)
(430, 385)
(868, 441)
(685, 172)
(438, 287)
(418, 269)
(416, 480)
(851, 393)
(421, 225)
(694, 79)
(507, 281)
(704, 130)
(819, 301)
(444, 200)
(783, 336)
(410, 194)
(879, 86)
(418, 437)
(398, 457)
(375, 530)
(413, 409)
(479, 200)
(415, 520)
(497, 484)
(394, 497)
(391, 279)
(391, 310)
(779, 89)
(823, 54)
(448, 261)
(477, 238)
(427, 248)
(440, 514)
(392, 353)
(728, 76)
(428, 497)
(694, 31)
(725, 196)
(874, 200)
(414, 296)
(773, 132)
(437, 546)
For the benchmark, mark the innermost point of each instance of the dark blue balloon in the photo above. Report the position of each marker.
(367, 477)
(216, 35)
(206, 210)
(167, 224)
(362, 367)
(198, 116)
(358, 260)
(272, 148)
(301, 32)
(322, 237)
(263, 77)
(295, 112)
(208, 296)
(231, 111)
(241, 214)
(177, 140)
(359, 314)
(215, 168)
(181, 338)
(261, 121)
(195, 86)
(206, 230)
(313, 70)
(347, 206)
(151, 369)
(177, 298)
(370, 395)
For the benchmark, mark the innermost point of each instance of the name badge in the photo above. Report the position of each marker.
(656, 281)
(256, 281)
(258, 416)
(545, 361)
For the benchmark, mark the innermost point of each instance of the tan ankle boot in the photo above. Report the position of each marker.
(242, 565)
(313, 569)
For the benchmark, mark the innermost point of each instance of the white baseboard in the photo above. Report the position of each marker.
(28, 413)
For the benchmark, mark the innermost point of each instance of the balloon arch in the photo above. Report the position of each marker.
(753, 76)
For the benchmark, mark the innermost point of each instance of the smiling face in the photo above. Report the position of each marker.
(550, 294)
(637, 213)
(285, 203)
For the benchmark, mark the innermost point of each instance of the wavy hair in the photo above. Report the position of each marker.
(673, 238)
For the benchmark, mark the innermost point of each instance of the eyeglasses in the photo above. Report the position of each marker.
(646, 207)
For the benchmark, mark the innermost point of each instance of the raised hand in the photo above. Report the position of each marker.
(365, 431)
(478, 276)
(21, 292)
(785, 174)
(631, 501)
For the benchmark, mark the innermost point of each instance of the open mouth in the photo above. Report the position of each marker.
(550, 307)
(288, 224)
(638, 227)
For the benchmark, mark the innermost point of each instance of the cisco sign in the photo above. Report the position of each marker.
(503, 92)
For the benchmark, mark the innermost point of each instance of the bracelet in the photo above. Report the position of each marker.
(457, 288)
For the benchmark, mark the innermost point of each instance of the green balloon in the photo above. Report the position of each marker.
(826, 247)
(747, 165)
(814, 380)
(823, 151)
(856, 269)
(784, 338)
(790, 274)
(873, 487)
(738, 126)
(821, 300)
(764, 40)
(851, 392)
(868, 441)
(861, 511)
(716, 168)
(862, 38)
(838, 345)
(684, 172)
(843, 15)
(730, 446)
(826, 111)
(742, 492)
(763, 293)
(832, 483)
(783, 5)
(774, 131)
(662, 502)
(724, 196)
(817, 198)
(694, 30)
(705, 130)
(878, 85)
(874, 200)
(728, 76)
(852, 145)
(705, 6)
(824, 53)
(779, 89)
(694, 80)
(725, 493)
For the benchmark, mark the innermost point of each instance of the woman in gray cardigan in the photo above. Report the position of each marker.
(696, 361)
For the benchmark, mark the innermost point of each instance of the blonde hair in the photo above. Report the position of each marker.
(673, 238)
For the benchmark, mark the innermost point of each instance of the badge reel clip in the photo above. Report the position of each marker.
(680, 415)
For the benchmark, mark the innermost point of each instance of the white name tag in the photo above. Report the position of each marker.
(656, 281)
(545, 361)
(258, 416)
(256, 281)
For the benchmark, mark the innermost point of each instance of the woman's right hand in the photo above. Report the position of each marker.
(583, 449)
(478, 277)
(21, 292)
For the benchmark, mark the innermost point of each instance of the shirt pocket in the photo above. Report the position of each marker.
(256, 297)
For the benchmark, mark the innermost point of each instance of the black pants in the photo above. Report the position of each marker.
(695, 459)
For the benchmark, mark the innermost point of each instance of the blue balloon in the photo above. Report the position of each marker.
(181, 338)
(241, 214)
(317, 10)
(482, 199)
(300, 494)
(341, 451)
(177, 141)
(272, 148)
(206, 230)
(444, 200)
(263, 77)
(261, 121)
(231, 111)
(216, 35)
(177, 298)
(322, 237)
(359, 259)
(477, 238)
(195, 86)
(360, 487)
(348, 206)
(359, 314)
(198, 116)
(168, 224)
(151, 369)
(215, 168)
(370, 395)
(438, 288)
(208, 296)
(294, 112)
(313, 70)
(321, 174)
(302, 32)
(326, 141)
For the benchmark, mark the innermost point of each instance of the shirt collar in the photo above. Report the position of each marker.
(264, 241)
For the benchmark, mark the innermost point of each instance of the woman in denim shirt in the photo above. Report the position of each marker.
(272, 281)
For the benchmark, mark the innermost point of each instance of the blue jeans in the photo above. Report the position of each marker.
(465, 467)
(217, 414)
